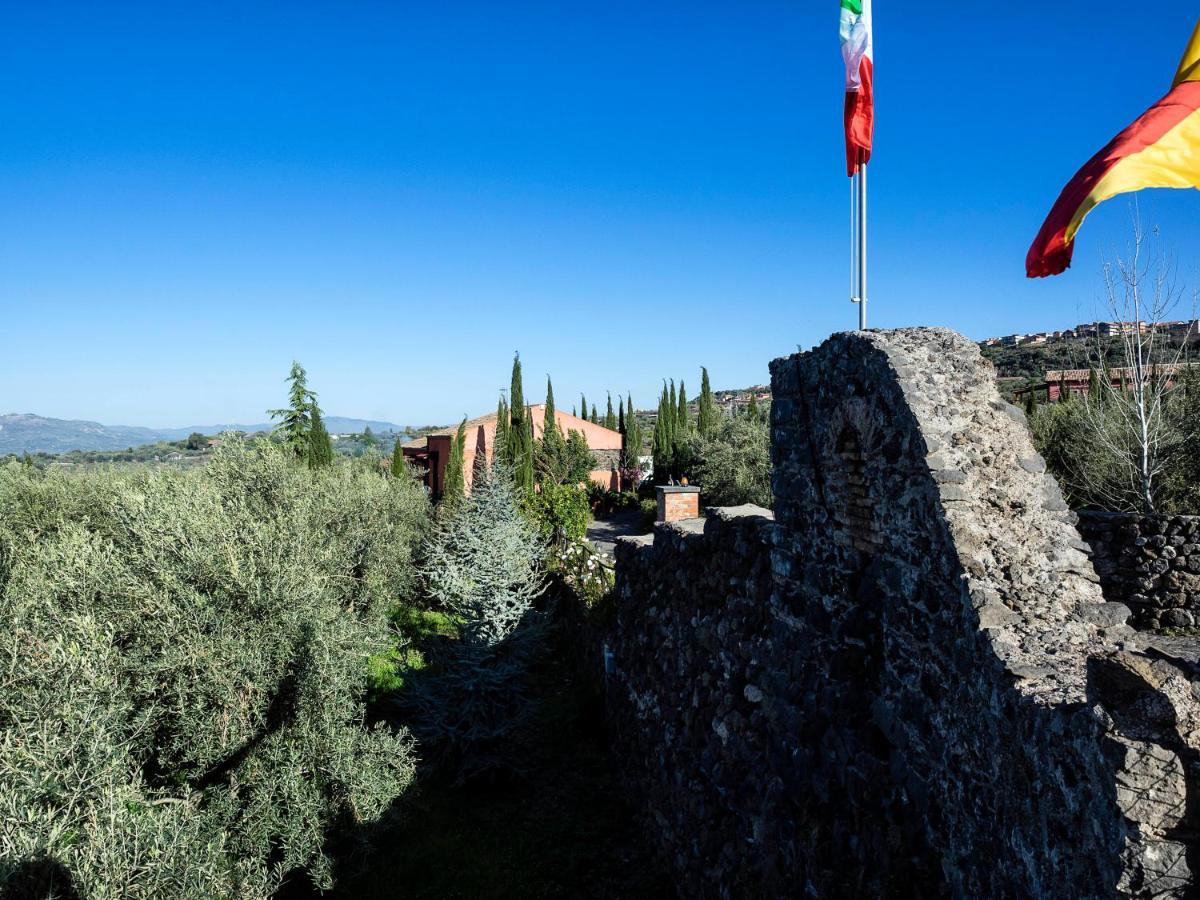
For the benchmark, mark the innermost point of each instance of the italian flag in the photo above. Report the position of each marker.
(855, 32)
(1160, 149)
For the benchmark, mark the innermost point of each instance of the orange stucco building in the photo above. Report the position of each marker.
(432, 452)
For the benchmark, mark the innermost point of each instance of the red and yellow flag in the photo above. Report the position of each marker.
(1160, 149)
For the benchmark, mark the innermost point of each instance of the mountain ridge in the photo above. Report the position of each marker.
(31, 433)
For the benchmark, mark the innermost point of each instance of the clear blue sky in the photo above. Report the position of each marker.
(400, 195)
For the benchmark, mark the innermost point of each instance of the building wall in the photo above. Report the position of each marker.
(908, 683)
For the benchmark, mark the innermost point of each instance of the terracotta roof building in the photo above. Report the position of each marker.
(432, 452)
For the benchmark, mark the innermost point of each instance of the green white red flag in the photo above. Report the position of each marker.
(855, 32)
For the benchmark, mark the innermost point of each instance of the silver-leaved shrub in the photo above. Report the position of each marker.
(183, 662)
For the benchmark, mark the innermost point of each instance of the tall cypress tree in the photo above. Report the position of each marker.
(595, 419)
(501, 448)
(621, 417)
(583, 407)
(683, 421)
(320, 447)
(550, 450)
(706, 416)
(550, 429)
(633, 430)
(752, 408)
(454, 486)
(520, 435)
(610, 418)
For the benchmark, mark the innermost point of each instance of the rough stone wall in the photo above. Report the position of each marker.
(1150, 563)
(925, 693)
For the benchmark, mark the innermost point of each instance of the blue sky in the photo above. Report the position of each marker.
(400, 195)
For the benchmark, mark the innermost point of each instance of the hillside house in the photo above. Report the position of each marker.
(432, 452)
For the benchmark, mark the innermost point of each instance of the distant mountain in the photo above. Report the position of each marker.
(27, 433)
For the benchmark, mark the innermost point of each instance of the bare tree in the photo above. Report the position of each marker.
(1127, 416)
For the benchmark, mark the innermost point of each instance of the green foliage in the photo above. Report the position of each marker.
(296, 418)
(752, 410)
(634, 438)
(734, 465)
(482, 567)
(707, 414)
(454, 486)
(399, 467)
(595, 419)
(520, 434)
(185, 656)
(683, 423)
(320, 447)
(1091, 449)
(196, 441)
(561, 511)
(503, 416)
(610, 418)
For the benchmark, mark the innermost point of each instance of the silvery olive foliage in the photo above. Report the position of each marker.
(183, 661)
(484, 566)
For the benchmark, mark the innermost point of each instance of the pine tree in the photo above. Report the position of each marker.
(296, 420)
(520, 435)
(610, 418)
(706, 416)
(454, 486)
(320, 447)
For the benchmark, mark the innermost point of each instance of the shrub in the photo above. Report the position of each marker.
(560, 510)
(483, 566)
(186, 654)
(734, 465)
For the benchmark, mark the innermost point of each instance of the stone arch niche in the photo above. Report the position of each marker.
(940, 627)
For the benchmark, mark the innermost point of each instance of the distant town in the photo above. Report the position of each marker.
(1184, 330)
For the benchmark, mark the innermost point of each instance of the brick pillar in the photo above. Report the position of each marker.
(676, 503)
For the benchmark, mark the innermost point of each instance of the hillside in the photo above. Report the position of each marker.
(29, 433)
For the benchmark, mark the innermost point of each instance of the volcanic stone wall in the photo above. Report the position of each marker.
(1150, 563)
(908, 683)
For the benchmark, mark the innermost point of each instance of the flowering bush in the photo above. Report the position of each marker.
(590, 574)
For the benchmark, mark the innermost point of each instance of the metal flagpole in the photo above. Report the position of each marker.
(862, 247)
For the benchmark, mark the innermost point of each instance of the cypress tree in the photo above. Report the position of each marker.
(633, 435)
(706, 416)
(1031, 402)
(520, 435)
(752, 411)
(500, 448)
(454, 487)
(621, 417)
(320, 447)
(610, 418)
(552, 446)
(1095, 392)
(595, 419)
(551, 435)
(583, 407)
(683, 418)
